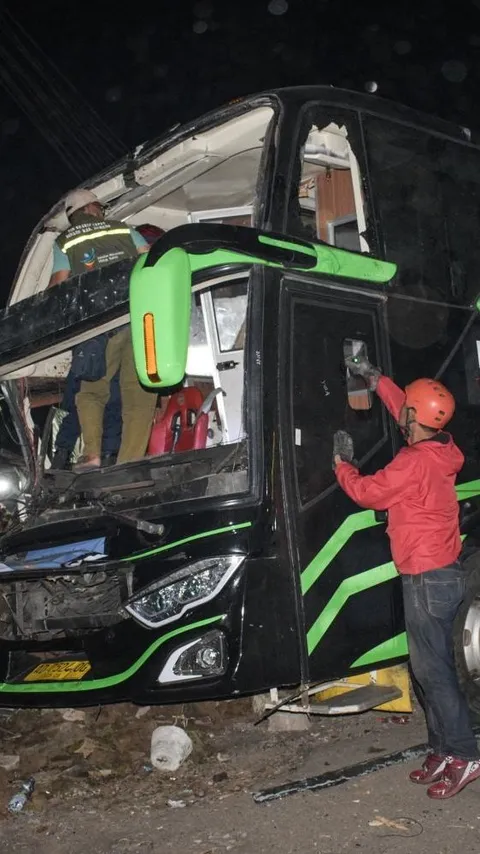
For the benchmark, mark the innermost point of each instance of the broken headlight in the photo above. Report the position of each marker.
(12, 482)
(194, 584)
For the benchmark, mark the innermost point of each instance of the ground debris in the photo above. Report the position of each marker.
(170, 747)
(174, 804)
(143, 710)
(409, 827)
(73, 715)
(87, 747)
(382, 821)
(103, 762)
(9, 761)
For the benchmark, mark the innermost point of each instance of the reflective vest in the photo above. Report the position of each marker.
(96, 243)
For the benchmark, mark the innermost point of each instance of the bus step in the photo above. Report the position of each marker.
(358, 700)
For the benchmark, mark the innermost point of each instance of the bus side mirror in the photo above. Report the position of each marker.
(160, 304)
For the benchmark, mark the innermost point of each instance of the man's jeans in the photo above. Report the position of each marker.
(431, 601)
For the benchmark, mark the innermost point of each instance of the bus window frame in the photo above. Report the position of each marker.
(215, 214)
(337, 113)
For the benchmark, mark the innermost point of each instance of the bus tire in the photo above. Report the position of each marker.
(466, 636)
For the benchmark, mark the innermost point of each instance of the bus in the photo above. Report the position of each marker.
(302, 226)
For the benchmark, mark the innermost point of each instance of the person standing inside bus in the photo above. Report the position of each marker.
(418, 490)
(91, 242)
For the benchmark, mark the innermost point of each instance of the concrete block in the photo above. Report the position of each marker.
(288, 722)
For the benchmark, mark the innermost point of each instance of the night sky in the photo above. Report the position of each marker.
(164, 63)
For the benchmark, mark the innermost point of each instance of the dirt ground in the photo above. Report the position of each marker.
(95, 790)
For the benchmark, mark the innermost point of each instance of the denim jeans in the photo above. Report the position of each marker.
(431, 601)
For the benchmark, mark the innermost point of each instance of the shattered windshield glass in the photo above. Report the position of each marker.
(183, 440)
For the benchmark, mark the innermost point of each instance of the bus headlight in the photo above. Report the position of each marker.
(189, 587)
(12, 482)
(206, 656)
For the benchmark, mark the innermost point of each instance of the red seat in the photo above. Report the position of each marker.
(182, 427)
(150, 232)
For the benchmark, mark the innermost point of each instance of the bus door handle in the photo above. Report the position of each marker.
(227, 366)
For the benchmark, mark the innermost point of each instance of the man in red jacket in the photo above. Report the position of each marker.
(418, 490)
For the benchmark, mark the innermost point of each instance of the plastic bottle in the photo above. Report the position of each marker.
(17, 803)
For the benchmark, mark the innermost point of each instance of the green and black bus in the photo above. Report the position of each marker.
(301, 226)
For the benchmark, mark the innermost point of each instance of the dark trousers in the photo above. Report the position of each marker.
(431, 601)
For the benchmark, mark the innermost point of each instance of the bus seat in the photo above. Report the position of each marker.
(202, 422)
(174, 430)
(183, 426)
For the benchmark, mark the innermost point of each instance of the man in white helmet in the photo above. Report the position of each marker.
(89, 243)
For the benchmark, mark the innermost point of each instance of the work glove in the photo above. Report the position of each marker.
(342, 447)
(360, 366)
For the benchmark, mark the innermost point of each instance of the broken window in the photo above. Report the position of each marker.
(217, 174)
(327, 194)
(204, 413)
(230, 306)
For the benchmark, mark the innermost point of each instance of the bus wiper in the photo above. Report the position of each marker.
(134, 522)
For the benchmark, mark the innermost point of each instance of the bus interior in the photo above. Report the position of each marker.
(216, 175)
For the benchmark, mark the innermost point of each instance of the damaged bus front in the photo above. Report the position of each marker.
(130, 581)
(150, 580)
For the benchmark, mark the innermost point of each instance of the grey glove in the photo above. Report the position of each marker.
(361, 367)
(342, 446)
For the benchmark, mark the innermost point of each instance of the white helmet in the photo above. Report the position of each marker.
(77, 199)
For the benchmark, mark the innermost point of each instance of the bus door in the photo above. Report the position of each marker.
(350, 594)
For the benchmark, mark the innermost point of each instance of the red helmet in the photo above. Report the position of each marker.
(433, 403)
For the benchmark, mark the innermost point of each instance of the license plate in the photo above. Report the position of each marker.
(60, 671)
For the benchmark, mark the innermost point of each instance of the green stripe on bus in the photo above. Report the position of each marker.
(288, 244)
(349, 587)
(106, 681)
(164, 548)
(329, 260)
(395, 647)
(468, 490)
(350, 526)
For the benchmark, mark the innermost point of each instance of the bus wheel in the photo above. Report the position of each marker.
(466, 636)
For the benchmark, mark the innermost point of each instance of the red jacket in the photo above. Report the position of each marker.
(418, 490)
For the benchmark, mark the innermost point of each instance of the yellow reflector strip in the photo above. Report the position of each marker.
(150, 351)
(94, 235)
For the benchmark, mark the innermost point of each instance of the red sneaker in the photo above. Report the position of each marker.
(431, 770)
(458, 773)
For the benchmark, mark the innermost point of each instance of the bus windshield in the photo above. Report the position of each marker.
(198, 424)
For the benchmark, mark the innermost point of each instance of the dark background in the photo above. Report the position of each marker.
(150, 66)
